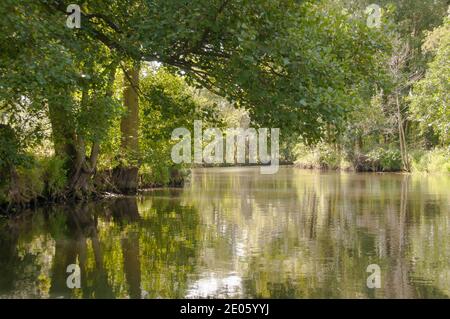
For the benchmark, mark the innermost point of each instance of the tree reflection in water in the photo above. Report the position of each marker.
(116, 245)
(235, 233)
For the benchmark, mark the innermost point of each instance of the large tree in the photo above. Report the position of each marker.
(430, 101)
(298, 65)
(292, 63)
(54, 77)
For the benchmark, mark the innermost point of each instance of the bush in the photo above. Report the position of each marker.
(325, 156)
(54, 175)
(321, 156)
(9, 148)
(38, 178)
(386, 160)
(162, 175)
(4, 186)
(153, 175)
(26, 185)
(434, 161)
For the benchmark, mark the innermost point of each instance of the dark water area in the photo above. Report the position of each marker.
(234, 233)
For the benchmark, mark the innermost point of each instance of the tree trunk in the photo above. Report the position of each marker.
(402, 138)
(83, 170)
(70, 145)
(129, 126)
(125, 176)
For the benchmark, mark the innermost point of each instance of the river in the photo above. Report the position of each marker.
(234, 233)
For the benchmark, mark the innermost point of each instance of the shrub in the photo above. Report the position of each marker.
(153, 175)
(321, 156)
(9, 147)
(325, 156)
(162, 175)
(386, 160)
(38, 178)
(4, 186)
(54, 175)
(434, 161)
(26, 185)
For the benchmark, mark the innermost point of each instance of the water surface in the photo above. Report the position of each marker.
(233, 233)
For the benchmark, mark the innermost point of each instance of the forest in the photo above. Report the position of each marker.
(87, 111)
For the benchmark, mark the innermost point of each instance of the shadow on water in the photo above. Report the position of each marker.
(236, 233)
(105, 240)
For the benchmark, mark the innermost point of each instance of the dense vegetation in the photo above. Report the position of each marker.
(404, 125)
(92, 109)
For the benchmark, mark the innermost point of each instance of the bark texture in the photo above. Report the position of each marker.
(125, 176)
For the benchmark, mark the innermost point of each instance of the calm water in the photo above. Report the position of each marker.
(235, 233)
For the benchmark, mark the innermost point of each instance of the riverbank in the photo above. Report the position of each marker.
(379, 159)
(44, 182)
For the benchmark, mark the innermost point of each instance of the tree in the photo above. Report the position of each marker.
(60, 79)
(296, 65)
(430, 99)
(405, 22)
(289, 63)
(125, 175)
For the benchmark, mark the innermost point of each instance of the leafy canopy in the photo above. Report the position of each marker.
(292, 64)
(430, 101)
